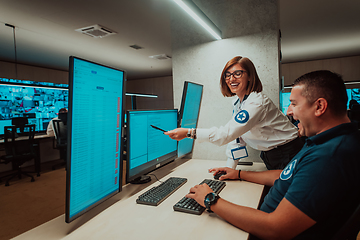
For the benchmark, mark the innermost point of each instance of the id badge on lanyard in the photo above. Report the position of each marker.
(238, 153)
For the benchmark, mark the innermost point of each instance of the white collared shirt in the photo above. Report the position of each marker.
(259, 123)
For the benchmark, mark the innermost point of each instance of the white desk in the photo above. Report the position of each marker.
(127, 220)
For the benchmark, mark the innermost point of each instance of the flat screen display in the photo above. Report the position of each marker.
(39, 102)
(96, 110)
(284, 101)
(148, 148)
(189, 114)
(353, 93)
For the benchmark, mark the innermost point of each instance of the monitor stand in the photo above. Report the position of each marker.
(141, 180)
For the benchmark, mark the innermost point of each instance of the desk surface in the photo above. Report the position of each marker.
(125, 218)
(37, 136)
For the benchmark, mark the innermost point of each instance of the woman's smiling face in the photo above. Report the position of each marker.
(238, 80)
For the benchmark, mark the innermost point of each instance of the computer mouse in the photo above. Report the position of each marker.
(219, 174)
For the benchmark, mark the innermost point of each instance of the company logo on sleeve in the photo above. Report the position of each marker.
(288, 171)
(242, 116)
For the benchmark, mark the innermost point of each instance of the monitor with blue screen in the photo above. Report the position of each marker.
(284, 101)
(95, 138)
(189, 114)
(147, 147)
(353, 93)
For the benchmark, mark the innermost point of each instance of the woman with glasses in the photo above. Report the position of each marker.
(256, 121)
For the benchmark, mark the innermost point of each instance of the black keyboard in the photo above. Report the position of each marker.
(189, 205)
(156, 195)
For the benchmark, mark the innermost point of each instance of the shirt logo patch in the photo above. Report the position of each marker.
(242, 116)
(288, 171)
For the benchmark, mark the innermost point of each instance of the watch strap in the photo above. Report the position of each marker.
(188, 133)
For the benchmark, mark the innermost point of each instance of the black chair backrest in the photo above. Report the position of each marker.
(63, 117)
(60, 130)
(351, 228)
(19, 122)
(15, 146)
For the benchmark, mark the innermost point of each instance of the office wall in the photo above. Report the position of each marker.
(27, 72)
(250, 29)
(161, 86)
(348, 67)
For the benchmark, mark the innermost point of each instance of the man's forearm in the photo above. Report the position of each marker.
(248, 219)
(265, 178)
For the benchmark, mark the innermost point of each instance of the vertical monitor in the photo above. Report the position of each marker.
(284, 101)
(95, 119)
(147, 147)
(189, 114)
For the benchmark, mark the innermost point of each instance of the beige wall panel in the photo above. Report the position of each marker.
(27, 72)
(348, 67)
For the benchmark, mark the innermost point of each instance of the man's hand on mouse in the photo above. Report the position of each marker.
(230, 173)
(199, 192)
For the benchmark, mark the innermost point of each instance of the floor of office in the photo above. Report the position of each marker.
(25, 205)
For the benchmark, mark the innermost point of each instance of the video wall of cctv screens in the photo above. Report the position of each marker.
(39, 102)
(95, 138)
(189, 114)
(147, 147)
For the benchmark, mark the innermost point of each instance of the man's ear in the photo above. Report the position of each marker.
(321, 106)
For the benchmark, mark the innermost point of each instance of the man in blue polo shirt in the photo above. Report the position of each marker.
(319, 189)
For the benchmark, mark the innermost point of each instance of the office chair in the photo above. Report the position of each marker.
(19, 122)
(354, 114)
(351, 228)
(60, 141)
(18, 151)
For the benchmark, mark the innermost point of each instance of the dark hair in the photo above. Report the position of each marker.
(254, 83)
(62, 110)
(325, 84)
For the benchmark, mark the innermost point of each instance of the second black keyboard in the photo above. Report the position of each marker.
(189, 205)
(156, 195)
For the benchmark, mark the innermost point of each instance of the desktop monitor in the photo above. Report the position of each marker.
(189, 114)
(352, 93)
(284, 101)
(95, 135)
(147, 147)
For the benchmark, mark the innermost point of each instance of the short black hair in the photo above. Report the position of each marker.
(62, 110)
(325, 84)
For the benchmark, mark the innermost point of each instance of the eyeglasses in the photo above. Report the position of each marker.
(236, 74)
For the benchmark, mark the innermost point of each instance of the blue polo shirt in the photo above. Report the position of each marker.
(322, 180)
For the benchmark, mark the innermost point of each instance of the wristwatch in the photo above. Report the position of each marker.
(210, 199)
(189, 133)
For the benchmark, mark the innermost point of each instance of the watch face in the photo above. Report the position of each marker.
(211, 197)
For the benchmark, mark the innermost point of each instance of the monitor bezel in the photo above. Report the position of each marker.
(165, 159)
(181, 111)
(69, 219)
